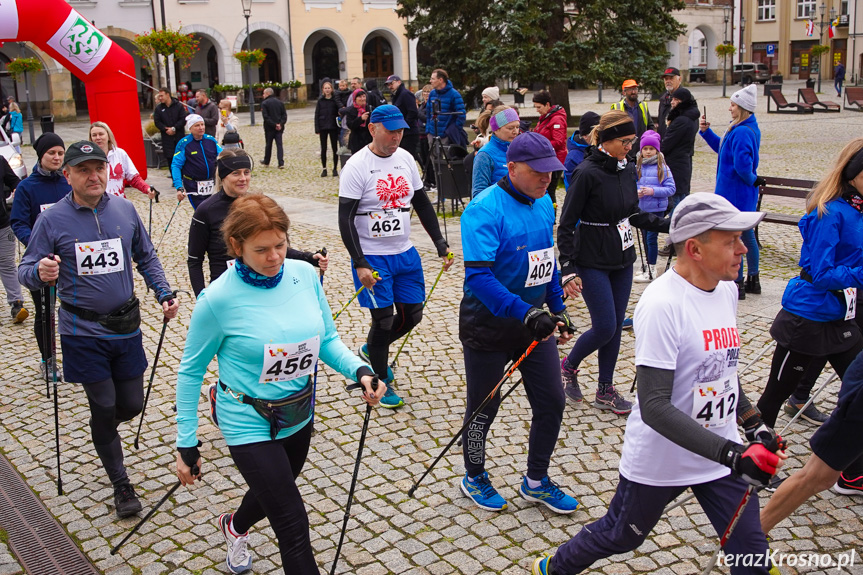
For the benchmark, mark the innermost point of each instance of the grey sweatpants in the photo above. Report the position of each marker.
(8, 269)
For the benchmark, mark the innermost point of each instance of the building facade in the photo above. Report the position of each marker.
(708, 24)
(778, 33)
(303, 40)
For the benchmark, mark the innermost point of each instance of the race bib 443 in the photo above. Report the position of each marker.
(99, 257)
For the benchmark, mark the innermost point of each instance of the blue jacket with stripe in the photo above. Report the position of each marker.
(194, 160)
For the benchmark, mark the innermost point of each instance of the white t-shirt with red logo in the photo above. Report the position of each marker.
(384, 187)
(682, 328)
(120, 170)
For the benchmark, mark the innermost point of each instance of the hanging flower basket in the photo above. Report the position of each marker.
(723, 50)
(167, 42)
(251, 57)
(18, 66)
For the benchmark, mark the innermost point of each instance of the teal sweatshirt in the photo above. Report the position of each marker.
(234, 321)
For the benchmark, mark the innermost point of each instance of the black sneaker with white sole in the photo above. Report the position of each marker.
(126, 503)
(847, 486)
(810, 414)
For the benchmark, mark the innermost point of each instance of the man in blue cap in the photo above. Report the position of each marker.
(379, 185)
(510, 276)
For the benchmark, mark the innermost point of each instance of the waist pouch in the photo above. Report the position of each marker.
(280, 413)
(123, 320)
(231, 138)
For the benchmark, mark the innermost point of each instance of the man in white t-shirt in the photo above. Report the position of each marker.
(683, 428)
(378, 186)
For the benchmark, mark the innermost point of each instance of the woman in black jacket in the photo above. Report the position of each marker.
(678, 144)
(597, 250)
(357, 119)
(326, 126)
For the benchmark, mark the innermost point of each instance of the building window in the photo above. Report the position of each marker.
(766, 10)
(702, 52)
(843, 8)
(806, 8)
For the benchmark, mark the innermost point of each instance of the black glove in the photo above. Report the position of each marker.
(759, 181)
(190, 455)
(540, 322)
(754, 463)
(563, 317)
(442, 247)
(757, 430)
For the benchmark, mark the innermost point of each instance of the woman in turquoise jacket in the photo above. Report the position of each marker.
(737, 173)
(267, 321)
(489, 166)
(16, 125)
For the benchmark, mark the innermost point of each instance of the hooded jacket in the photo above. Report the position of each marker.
(737, 165)
(326, 114)
(553, 126)
(678, 143)
(577, 149)
(599, 197)
(34, 195)
(489, 166)
(450, 126)
(658, 202)
(406, 102)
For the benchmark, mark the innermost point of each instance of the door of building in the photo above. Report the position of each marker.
(377, 58)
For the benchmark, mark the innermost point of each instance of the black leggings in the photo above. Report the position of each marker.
(387, 328)
(270, 469)
(112, 403)
(44, 350)
(788, 370)
(334, 143)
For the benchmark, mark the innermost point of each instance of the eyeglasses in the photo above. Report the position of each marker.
(627, 141)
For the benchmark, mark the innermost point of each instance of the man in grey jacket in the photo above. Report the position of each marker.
(85, 244)
(207, 110)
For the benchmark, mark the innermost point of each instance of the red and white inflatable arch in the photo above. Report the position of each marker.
(89, 54)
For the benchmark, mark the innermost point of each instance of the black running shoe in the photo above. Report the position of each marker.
(847, 486)
(126, 502)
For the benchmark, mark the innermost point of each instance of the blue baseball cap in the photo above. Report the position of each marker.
(534, 150)
(390, 116)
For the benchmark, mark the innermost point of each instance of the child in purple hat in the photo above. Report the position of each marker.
(655, 185)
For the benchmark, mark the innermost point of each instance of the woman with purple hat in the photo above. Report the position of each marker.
(490, 163)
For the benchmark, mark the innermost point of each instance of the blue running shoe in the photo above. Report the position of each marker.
(541, 566)
(363, 352)
(483, 493)
(627, 323)
(550, 495)
(391, 399)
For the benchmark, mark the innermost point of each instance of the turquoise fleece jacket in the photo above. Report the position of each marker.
(233, 321)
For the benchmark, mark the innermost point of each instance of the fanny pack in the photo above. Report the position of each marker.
(231, 138)
(123, 320)
(280, 413)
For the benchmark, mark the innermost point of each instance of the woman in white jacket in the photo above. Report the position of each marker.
(121, 171)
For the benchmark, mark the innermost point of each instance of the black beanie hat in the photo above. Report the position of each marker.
(587, 122)
(47, 141)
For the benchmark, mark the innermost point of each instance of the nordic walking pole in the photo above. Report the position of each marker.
(165, 321)
(44, 306)
(150, 221)
(353, 297)
(643, 237)
(150, 513)
(449, 256)
(323, 252)
(474, 415)
(356, 472)
(53, 367)
(169, 225)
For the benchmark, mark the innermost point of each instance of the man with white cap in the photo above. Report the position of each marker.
(682, 432)
(511, 276)
(378, 187)
(193, 168)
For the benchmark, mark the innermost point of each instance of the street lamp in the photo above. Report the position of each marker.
(821, 9)
(27, 97)
(742, 43)
(726, 10)
(247, 11)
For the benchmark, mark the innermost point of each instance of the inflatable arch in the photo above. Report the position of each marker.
(88, 54)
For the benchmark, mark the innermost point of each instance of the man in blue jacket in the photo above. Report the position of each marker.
(86, 243)
(42, 189)
(511, 275)
(445, 119)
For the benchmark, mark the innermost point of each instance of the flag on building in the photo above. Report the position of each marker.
(810, 27)
(831, 31)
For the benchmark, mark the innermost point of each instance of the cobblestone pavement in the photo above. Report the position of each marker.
(439, 531)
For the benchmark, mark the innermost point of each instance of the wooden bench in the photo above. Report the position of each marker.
(810, 97)
(854, 97)
(785, 188)
(783, 106)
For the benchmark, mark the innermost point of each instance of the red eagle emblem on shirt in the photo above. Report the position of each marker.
(390, 191)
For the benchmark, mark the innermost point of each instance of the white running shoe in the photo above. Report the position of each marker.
(239, 560)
